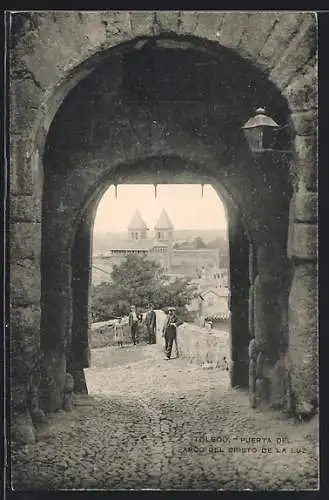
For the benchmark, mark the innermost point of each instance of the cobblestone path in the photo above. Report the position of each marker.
(153, 424)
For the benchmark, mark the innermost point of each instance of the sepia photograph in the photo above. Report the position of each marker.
(163, 250)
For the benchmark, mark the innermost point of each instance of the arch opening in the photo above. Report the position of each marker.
(236, 288)
(187, 251)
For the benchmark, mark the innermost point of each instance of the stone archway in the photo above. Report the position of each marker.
(283, 52)
(81, 264)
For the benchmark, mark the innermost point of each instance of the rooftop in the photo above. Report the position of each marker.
(163, 221)
(145, 244)
(219, 291)
(137, 222)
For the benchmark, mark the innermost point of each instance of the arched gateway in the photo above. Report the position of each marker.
(115, 97)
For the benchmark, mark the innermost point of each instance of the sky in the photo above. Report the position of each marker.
(183, 203)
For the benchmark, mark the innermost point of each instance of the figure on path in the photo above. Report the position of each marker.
(151, 323)
(118, 332)
(170, 331)
(142, 327)
(133, 323)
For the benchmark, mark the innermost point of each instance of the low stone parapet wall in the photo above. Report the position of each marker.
(209, 348)
(103, 334)
(196, 344)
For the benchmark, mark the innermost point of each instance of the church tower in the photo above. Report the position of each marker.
(164, 236)
(137, 229)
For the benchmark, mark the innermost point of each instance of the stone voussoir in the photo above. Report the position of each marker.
(306, 160)
(82, 34)
(302, 91)
(208, 25)
(305, 147)
(167, 21)
(91, 29)
(22, 209)
(299, 51)
(254, 38)
(307, 174)
(21, 172)
(305, 122)
(188, 22)
(279, 37)
(25, 240)
(142, 23)
(25, 100)
(306, 206)
(305, 241)
(25, 280)
(231, 32)
(117, 26)
(48, 59)
(25, 329)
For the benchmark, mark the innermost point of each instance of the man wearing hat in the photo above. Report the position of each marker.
(151, 323)
(133, 323)
(170, 330)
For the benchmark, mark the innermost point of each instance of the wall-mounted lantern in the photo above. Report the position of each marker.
(261, 132)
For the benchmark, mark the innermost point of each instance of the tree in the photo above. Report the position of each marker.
(138, 280)
(199, 243)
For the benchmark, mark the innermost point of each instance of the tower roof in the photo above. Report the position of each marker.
(163, 221)
(137, 222)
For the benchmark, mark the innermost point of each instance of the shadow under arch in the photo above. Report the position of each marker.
(73, 76)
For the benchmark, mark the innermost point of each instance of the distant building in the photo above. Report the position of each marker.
(178, 262)
(215, 303)
(162, 249)
(211, 302)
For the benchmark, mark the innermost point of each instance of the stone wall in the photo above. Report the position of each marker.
(103, 335)
(201, 346)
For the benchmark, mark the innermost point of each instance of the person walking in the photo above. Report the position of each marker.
(170, 331)
(151, 323)
(133, 323)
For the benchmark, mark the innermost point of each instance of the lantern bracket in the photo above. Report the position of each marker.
(264, 135)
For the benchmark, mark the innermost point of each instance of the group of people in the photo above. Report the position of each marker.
(135, 323)
(169, 329)
(150, 322)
